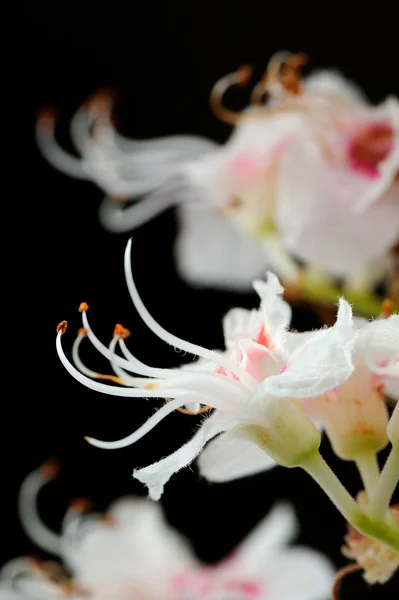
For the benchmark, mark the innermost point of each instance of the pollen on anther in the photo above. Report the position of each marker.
(62, 327)
(81, 505)
(387, 308)
(46, 118)
(83, 306)
(121, 331)
(82, 331)
(50, 469)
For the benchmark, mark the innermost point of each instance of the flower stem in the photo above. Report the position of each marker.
(367, 465)
(317, 468)
(380, 499)
(378, 529)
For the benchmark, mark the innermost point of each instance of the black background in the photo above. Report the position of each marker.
(162, 59)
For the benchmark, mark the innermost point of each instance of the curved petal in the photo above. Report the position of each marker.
(211, 252)
(298, 574)
(308, 370)
(155, 476)
(318, 218)
(380, 342)
(271, 534)
(134, 548)
(227, 458)
(332, 81)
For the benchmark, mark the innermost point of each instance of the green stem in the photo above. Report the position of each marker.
(317, 468)
(380, 499)
(378, 529)
(367, 465)
(326, 293)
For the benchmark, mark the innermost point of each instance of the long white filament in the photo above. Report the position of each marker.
(173, 340)
(38, 532)
(132, 364)
(111, 389)
(56, 155)
(161, 413)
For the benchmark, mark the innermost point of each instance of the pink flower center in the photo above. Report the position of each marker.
(369, 147)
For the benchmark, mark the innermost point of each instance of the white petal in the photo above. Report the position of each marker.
(227, 458)
(155, 476)
(298, 574)
(318, 216)
(136, 550)
(271, 534)
(332, 81)
(323, 361)
(380, 341)
(241, 323)
(211, 252)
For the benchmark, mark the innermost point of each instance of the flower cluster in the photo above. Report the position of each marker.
(311, 174)
(131, 553)
(272, 390)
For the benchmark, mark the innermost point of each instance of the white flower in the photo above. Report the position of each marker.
(131, 553)
(262, 361)
(313, 173)
(354, 413)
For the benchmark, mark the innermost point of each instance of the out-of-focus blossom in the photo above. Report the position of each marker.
(311, 174)
(131, 553)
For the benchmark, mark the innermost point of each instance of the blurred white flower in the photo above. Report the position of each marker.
(312, 173)
(131, 553)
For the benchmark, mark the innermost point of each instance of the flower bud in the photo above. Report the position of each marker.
(287, 434)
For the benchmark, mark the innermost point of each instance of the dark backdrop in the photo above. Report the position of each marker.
(162, 59)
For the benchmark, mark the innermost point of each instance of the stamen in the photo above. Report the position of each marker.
(110, 389)
(241, 78)
(283, 67)
(132, 364)
(387, 308)
(52, 151)
(127, 379)
(62, 327)
(82, 333)
(173, 340)
(161, 413)
(34, 527)
(342, 573)
(143, 369)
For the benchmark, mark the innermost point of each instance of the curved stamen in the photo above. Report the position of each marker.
(161, 413)
(142, 368)
(340, 576)
(173, 340)
(131, 363)
(125, 377)
(34, 527)
(109, 389)
(240, 77)
(283, 67)
(52, 151)
(82, 334)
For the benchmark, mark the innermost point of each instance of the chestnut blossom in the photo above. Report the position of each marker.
(262, 361)
(311, 174)
(132, 553)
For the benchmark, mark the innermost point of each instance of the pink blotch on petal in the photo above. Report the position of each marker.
(250, 589)
(369, 147)
(247, 166)
(264, 338)
(224, 371)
